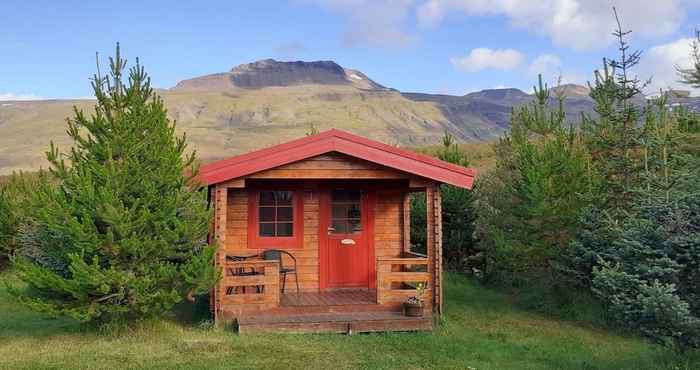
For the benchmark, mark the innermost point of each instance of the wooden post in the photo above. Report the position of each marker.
(433, 200)
(220, 207)
(438, 250)
(406, 242)
(430, 237)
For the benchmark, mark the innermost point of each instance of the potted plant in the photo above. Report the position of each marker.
(413, 306)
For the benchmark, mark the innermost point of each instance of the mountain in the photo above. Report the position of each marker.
(570, 91)
(269, 73)
(267, 102)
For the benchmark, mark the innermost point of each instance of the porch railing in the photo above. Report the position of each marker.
(250, 283)
(398, 277)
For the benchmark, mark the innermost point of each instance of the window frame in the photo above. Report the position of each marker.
(346, 220)
(255, 241)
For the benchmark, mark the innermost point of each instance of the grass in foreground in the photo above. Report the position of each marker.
(481, 330)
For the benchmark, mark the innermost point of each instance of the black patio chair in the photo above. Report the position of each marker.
(276, 255)
(240, 271)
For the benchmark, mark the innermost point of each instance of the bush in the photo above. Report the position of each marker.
(15, 206)
(646, 269)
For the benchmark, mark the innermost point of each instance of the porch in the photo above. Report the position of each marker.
(255, 303)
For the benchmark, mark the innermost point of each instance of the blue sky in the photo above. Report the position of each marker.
(440, 46)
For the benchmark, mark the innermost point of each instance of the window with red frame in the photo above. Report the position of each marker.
(275, 219)
(275, 213)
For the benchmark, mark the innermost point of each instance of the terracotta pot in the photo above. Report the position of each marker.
(413, 309)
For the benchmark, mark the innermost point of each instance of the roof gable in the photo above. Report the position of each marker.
(342, 142)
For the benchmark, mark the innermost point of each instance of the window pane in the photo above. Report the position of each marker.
(340, 211)
(284, 198)
(354, 195)
(284, 229)
(267, 198)
(354, 225)
(340, 227)
(267, 229)
(267, 214)
(285, 214)
(354, 211)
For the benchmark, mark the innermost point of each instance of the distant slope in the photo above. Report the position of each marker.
(268, 102)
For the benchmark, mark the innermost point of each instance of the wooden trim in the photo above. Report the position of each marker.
(237, 183)
(342, 142)
(430, 233)
(438, 213)
(403, 261)
(255, 241)
(220, 198)
(434, 241)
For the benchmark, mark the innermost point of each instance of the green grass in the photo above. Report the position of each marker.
(482, 330)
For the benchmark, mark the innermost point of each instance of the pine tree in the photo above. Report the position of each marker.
(612, 137)
(123, 235)
(691, 76)
(530, 204)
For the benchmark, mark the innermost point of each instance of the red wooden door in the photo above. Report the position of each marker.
(344, 218)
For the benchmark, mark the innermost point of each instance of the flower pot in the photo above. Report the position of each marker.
(413, 309)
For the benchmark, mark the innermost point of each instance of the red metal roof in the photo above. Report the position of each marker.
(342, 142)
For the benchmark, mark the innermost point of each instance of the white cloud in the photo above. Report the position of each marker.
(660, 63)
(550, 67)
(545, 64)
(579, 24)
(16, 97)
(376, 23)
(484, 58)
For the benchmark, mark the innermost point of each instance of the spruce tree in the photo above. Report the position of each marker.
(123, 235)
(613, 136)
(691, 76)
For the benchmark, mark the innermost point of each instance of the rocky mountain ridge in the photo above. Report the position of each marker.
(268, 102)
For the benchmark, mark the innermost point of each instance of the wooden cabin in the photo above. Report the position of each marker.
(337, 206)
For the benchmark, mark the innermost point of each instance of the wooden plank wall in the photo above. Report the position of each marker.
(388, 231)
(307, 256)
(388, 224)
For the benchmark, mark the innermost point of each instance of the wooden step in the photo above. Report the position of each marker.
(351, 322)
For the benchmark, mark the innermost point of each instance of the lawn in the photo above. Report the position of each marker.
(481, 330)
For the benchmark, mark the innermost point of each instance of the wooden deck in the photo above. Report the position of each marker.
(332, 298)
(342, 311)
(348, 323)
